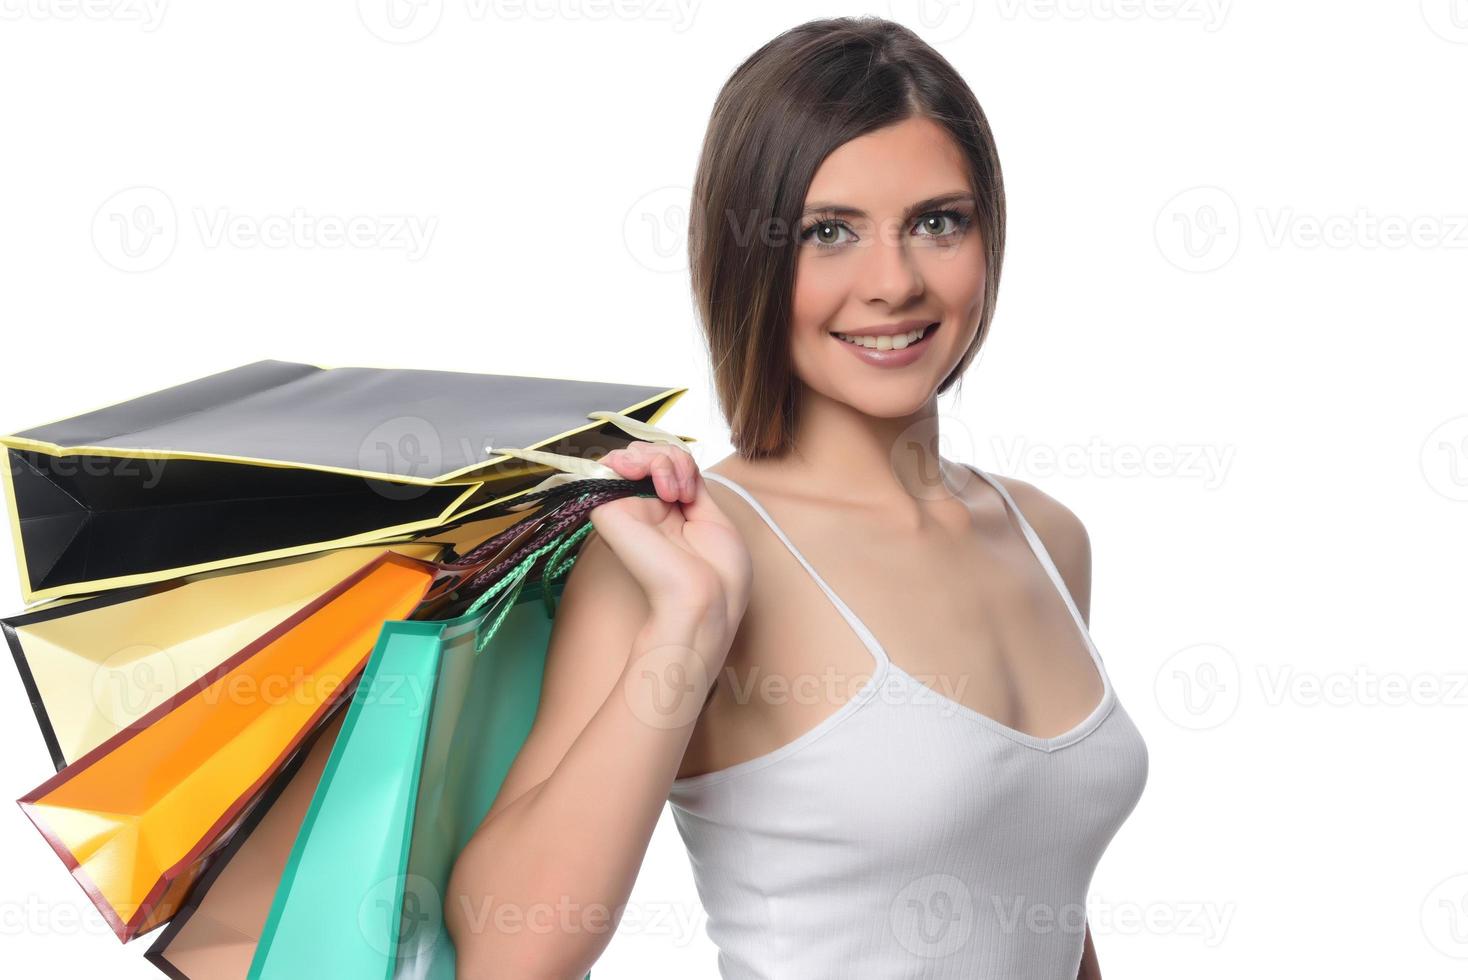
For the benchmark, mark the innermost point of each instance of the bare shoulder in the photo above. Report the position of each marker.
(1061, 531)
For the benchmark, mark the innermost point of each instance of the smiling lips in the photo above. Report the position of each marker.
(885, 341)
(888, 345)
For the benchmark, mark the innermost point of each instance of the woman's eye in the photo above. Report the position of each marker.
(940, 224)
(826, 233)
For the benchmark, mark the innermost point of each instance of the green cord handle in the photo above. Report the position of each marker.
(556, 567)
(514, 580)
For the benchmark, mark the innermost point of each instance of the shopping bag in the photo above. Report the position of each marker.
(213, 934)
(136, 819)
(274, 459)
(439, 716)
(93, 666)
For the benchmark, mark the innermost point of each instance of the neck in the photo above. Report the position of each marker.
(843, 453)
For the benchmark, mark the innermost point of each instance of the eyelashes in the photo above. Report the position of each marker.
(960, 222)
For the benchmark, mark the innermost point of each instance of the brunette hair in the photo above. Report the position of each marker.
(781, 112)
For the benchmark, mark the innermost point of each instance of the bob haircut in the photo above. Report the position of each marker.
(779, 115)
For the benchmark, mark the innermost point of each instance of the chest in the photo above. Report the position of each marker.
(903, 774)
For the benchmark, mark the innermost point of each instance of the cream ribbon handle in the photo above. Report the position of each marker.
(578, 468)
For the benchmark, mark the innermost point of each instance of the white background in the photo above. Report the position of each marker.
(1230, 338)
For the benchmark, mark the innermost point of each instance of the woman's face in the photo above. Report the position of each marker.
(889, 245)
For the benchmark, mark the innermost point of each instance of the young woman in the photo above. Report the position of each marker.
(860, 672)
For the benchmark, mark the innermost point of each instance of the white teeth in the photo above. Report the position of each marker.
(885, 341)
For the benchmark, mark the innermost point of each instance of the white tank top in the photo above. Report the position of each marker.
(908, 836)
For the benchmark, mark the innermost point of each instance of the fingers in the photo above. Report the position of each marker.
(673, 470)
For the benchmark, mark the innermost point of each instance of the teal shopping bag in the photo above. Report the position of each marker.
(440, 713)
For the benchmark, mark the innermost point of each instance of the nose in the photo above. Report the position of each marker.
(888, 274)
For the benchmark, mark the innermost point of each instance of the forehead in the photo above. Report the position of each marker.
(888, 168)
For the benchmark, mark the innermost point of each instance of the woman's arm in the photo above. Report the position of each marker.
(539, 888)
(1090, 966)
(643, 626)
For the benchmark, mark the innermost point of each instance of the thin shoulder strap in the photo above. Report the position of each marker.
(1038, 547)
(851, 618)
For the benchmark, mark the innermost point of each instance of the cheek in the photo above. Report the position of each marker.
(820, 290)
(956, 278)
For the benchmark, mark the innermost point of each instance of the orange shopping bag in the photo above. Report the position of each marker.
(137, 818)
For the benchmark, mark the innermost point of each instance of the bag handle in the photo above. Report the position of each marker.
(574, 468)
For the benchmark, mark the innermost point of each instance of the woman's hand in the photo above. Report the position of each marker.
(682, 549)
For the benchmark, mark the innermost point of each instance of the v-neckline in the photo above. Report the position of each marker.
(886, 665)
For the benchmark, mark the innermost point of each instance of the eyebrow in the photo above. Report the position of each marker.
(847, 211)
